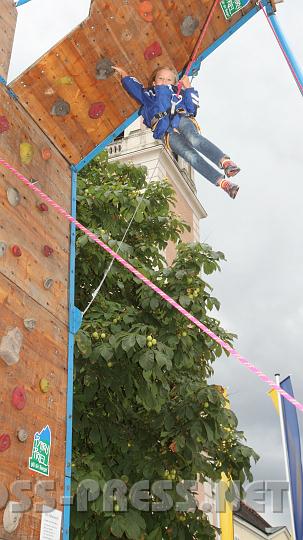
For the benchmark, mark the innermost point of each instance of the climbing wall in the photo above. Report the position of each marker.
(8, 18)
(72, 90)
(34, 270)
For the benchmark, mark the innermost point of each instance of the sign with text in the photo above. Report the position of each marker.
(230, 7)
(50, 524)
(39, 460)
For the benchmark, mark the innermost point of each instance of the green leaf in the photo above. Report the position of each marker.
(117, 528)
(146, 360)
(141, 340)
(128, 343)
(156, 534)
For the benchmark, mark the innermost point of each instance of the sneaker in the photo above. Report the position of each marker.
(230, 168)
(230, 188)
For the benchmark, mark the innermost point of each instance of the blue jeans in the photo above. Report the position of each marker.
(190, 144)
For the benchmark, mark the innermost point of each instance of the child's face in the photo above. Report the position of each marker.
(164, 76)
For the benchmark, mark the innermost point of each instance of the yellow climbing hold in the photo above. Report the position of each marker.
(65, 80)
(44, 385)
(26, 153)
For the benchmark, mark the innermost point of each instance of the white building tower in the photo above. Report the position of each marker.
(137, 146)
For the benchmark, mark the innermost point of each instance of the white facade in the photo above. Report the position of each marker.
(138, 147)
(245, 531)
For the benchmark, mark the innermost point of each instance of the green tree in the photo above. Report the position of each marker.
(143, 409)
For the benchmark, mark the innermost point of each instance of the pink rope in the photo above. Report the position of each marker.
(243, 361)
(201, 37)
(280, 45)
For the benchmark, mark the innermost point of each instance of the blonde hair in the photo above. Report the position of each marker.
(153, 76)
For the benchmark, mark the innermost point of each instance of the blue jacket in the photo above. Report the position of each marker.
(158, 100)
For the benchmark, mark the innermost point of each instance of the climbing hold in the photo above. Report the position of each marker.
(30, 324)
(19, 398)
(5, 442)
(46, 153)
(49, 92)
(16, 251)
(4, 125)
(22, 435)
(153, 51)
(44, 385)
(146, 11)
(11, 518)
(47, 251)
(104, 69)
(48, 283)
(42, 207)
(189, 25)
(10, 346)
(65, 80)
(13, 196)
(3, 495)
(3, 248)
(96, 110)
(60, 108)
(26, 153)
(126, 35)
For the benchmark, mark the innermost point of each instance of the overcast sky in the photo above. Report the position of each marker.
(252, 109)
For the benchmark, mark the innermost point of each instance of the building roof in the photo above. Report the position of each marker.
(252, 517)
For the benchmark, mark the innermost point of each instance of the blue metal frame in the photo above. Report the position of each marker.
(91, 155)
(195, 66)
(286, 48)
(21, 2)
(75, 319)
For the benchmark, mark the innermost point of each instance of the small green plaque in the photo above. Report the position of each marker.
(230, 7)
(39, 460)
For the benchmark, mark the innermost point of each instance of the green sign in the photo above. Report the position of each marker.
(39, 460)
(230, 7)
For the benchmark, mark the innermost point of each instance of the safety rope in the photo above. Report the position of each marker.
(197, 47)
(97, 290)
(242, 360)
(259, 3)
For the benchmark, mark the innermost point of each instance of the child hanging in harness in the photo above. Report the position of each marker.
(172, 119)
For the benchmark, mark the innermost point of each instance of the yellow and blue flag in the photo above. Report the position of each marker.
(293, 448)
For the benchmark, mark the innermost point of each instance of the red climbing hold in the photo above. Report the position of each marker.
(153, 51)
(5, 442)
(4, 125)
(19, 398)
(47, 251)
(16, 251)
(146, 11)
(96, 110)
(42, 207)
(46, 153)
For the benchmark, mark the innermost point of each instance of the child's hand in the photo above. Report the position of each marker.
(121, 71)
(185, 82)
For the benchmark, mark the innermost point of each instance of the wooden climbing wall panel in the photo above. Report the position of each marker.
(8, 19)
(34, 273)
(74, 106)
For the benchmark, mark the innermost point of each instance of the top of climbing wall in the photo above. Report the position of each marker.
(73, 93)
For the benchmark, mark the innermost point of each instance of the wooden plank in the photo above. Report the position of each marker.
(115, 30)
(24, 225)
(8, 21)
(43, 354)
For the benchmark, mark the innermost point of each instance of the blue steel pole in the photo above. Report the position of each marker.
(292, 62)
(74, 325)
